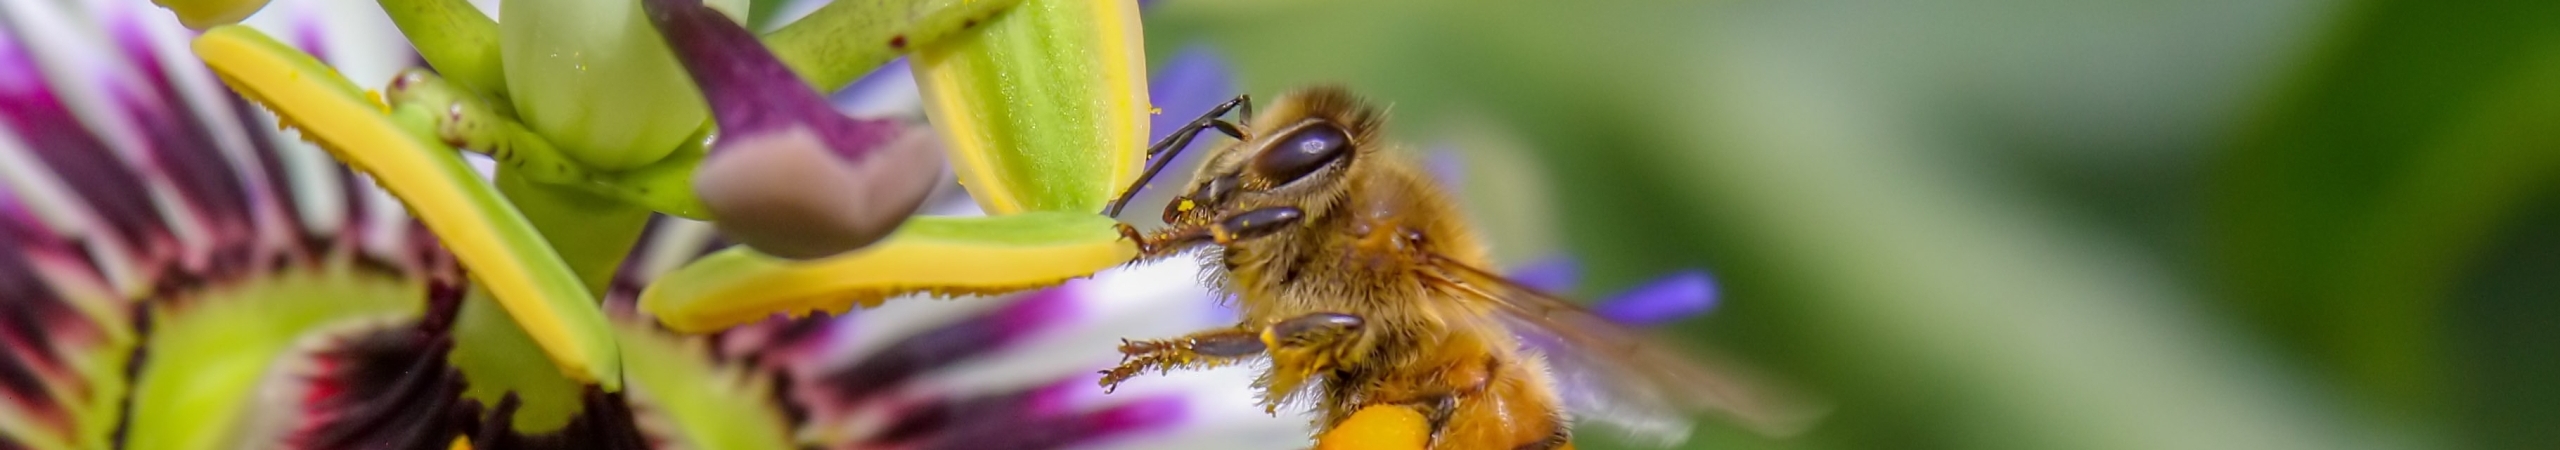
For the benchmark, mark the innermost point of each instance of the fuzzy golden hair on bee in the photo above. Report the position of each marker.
(1303, 151)
(1332, 103)
(1359, 285)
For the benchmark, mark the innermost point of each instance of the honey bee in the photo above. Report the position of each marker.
(1359, 283)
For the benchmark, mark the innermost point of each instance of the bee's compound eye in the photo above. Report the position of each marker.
(1302, 152)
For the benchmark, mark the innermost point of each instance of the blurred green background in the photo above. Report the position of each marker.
(2168, 224)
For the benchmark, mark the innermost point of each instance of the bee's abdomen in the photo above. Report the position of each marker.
(1511, 412)
(1474, 394)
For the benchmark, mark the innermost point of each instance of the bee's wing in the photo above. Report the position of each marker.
(1611, 375)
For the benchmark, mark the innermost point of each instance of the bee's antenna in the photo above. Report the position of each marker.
(1162, 153)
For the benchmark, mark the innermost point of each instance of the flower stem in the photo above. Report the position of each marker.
(456, 38)
(496, 357)
(590, 232)
(475, 125)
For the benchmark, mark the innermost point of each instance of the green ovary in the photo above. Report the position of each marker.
(595, 78)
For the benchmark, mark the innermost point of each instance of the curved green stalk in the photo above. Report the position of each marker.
(592, 234)
(497, 357)
(665, 186)
(456, 38)
(843, 40)
(470, 122)
(496, 243)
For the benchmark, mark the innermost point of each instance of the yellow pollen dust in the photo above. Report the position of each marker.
(1187, 205)
(375, 96)
(1152, 110)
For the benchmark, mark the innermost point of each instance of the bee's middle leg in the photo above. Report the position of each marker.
(1309, 337)
(1199, 350)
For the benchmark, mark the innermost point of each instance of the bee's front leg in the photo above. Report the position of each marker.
(1206, 349)
(1162, 152)
(1153, 245)
(1228, 228)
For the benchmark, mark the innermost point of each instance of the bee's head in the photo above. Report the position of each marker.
(1301, 155)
